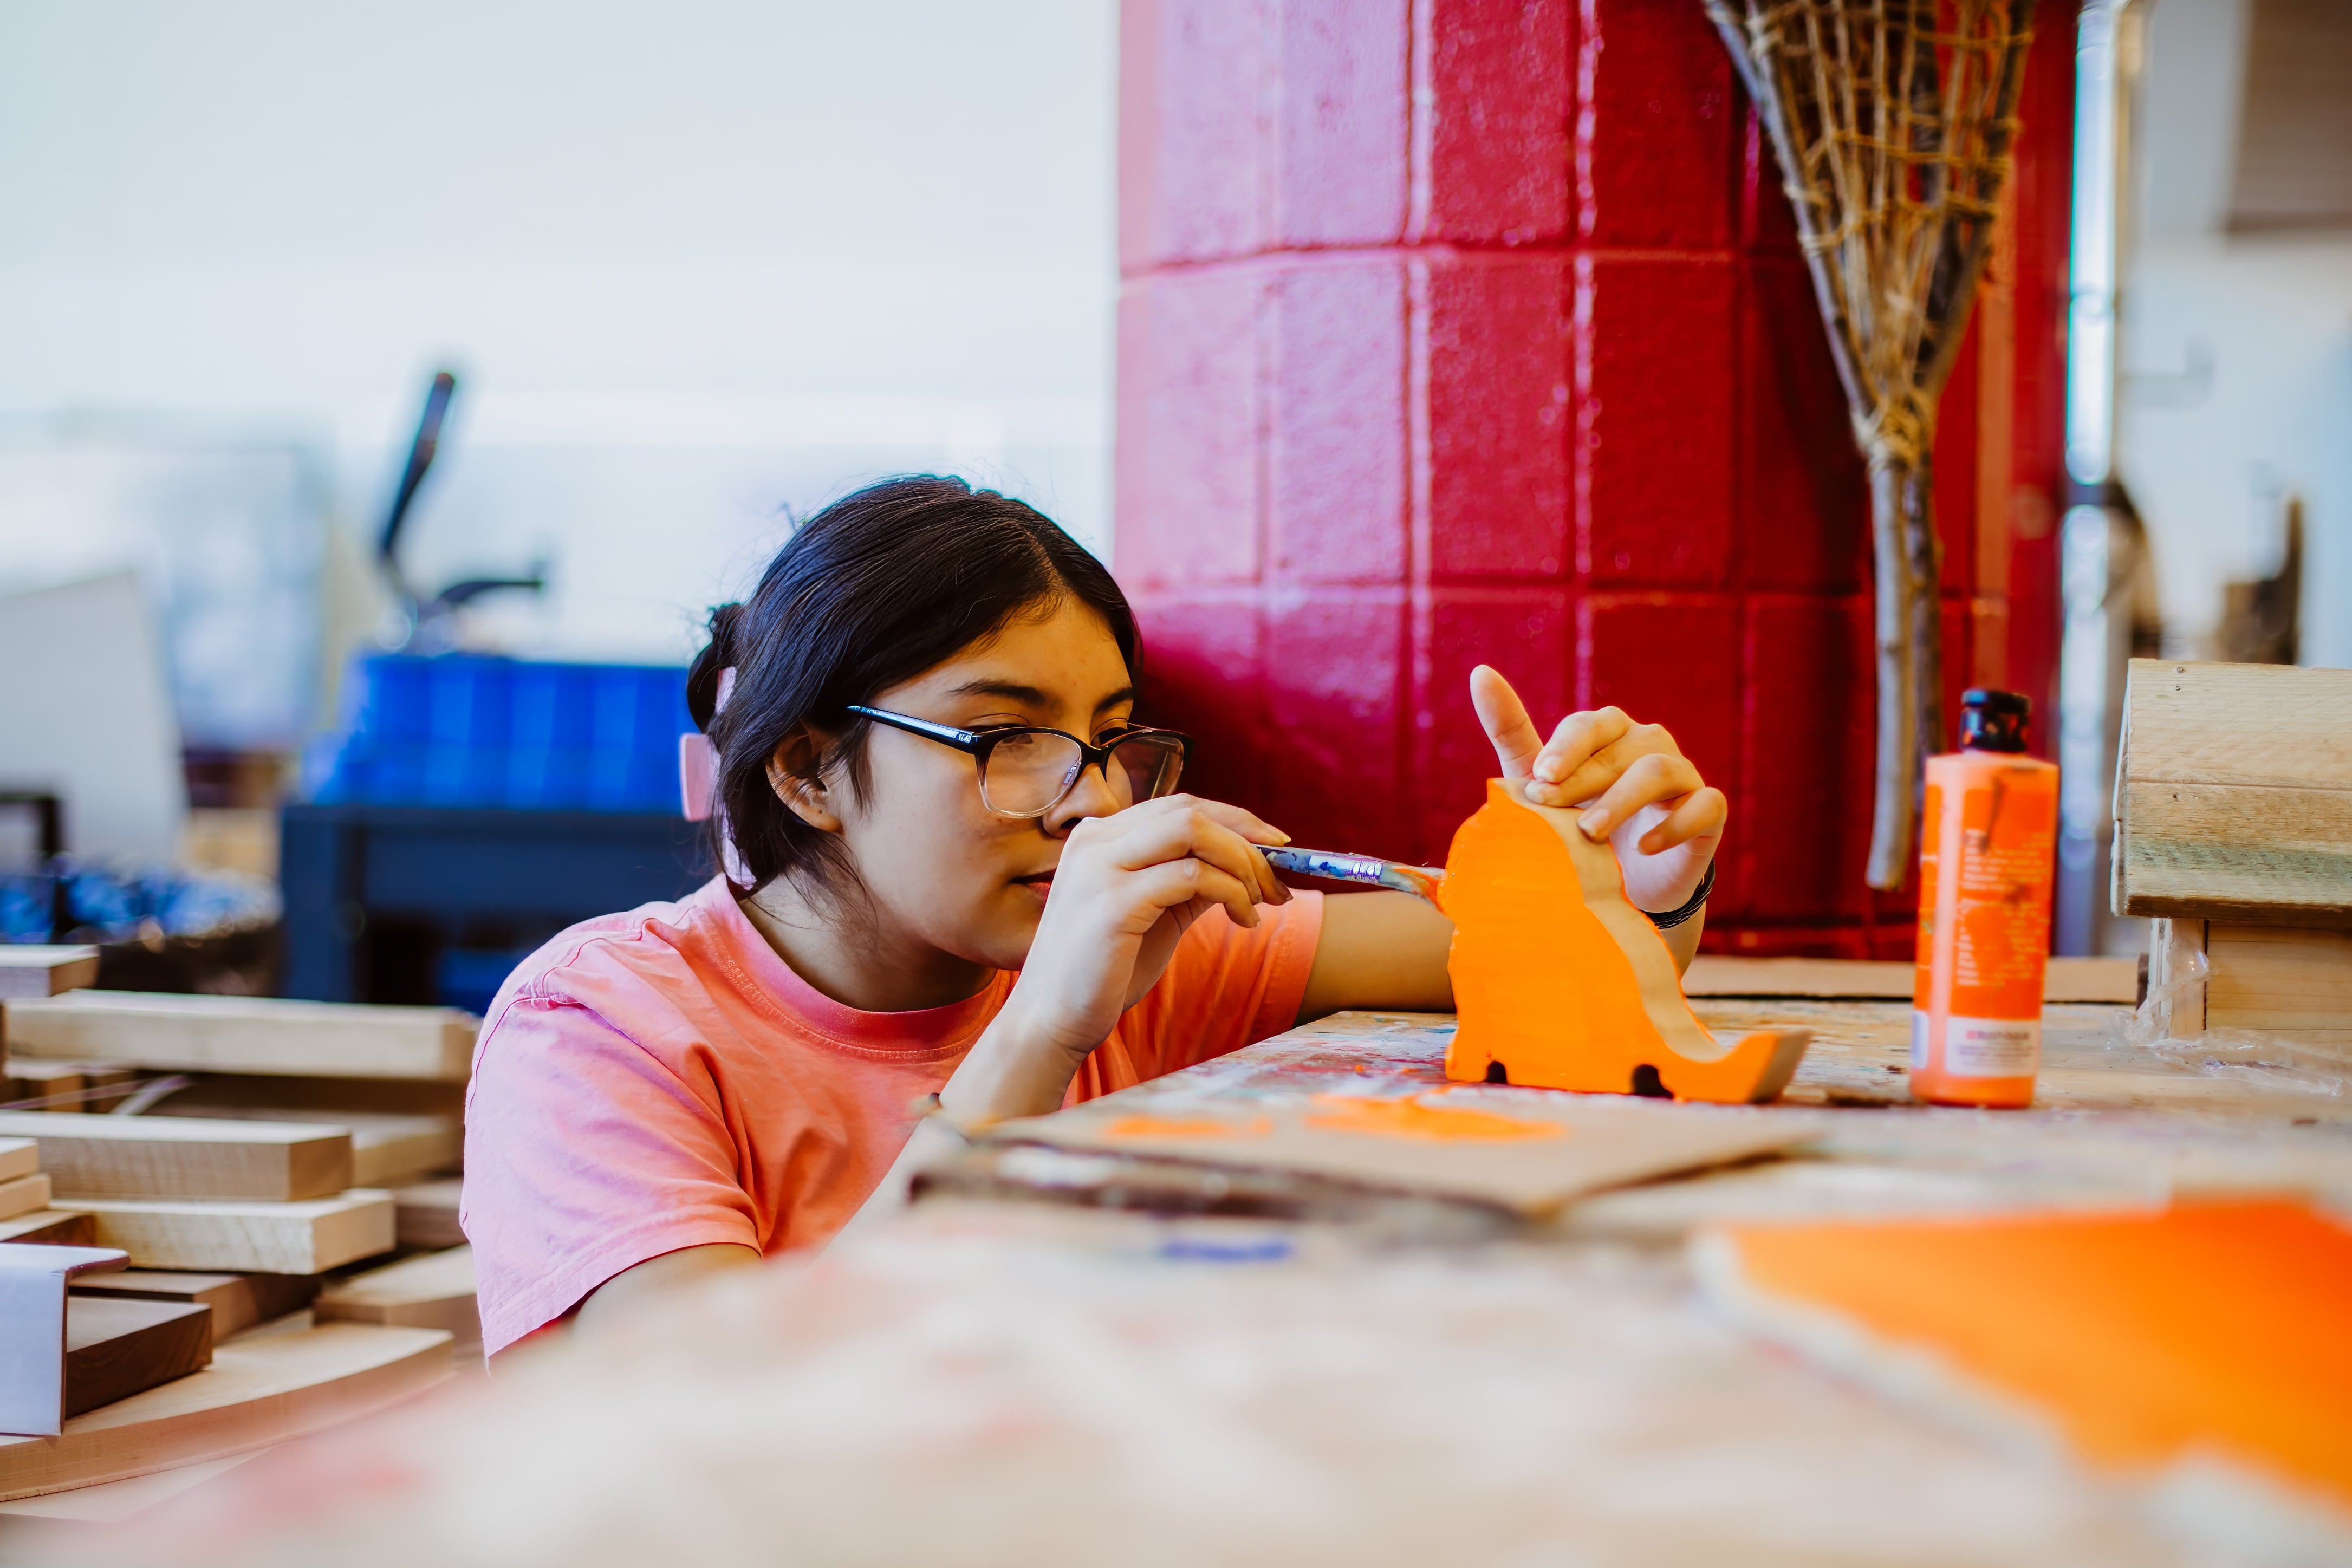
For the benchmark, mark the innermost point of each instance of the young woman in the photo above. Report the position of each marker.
(962, 877)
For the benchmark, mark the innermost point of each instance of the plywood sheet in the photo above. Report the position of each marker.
(2236, 796)
(307, 1237)
(256, 1392)
(158, 1156)
(1526, 1151)
(246, 1034)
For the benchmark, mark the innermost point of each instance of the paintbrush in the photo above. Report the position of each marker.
(1422, 882)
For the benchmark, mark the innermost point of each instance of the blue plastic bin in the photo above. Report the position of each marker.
(469, 731)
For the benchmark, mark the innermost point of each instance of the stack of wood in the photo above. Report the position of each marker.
(2233, 829)
(260, 1190)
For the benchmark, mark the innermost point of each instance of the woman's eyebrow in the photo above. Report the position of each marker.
(1014, 691)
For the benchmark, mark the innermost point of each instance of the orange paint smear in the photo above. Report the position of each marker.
(1426, 884)
(2216, 1326)
(1143, 1127)
(1418, 1117)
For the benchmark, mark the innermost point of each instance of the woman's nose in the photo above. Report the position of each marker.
(1091, 796)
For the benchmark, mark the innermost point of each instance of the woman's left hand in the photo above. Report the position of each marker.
(1634, 786)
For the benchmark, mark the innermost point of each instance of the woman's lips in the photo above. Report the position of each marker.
(1042, 885)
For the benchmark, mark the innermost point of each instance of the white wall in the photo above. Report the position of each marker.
(2237, 354)
(692, 261)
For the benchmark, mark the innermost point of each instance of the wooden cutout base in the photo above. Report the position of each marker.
(1561, 984)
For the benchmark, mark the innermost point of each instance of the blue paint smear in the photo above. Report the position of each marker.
(1272, 1249)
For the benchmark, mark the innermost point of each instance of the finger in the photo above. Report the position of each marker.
(1659, 776)
(1248, 824)
(1162, 837)
(1593, 776)
(1580, 737)
(1174, 883)
(1699, 817)
(1505, 719)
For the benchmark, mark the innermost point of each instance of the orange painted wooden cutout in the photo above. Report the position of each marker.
(2214, 1328)
(1561, 984)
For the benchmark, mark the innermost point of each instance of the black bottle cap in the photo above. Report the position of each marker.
(1993, 721)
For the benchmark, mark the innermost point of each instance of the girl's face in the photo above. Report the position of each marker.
(937, 864)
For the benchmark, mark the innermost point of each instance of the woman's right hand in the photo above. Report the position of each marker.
(1129, 885)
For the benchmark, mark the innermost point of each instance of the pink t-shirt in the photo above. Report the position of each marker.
(661, 1079)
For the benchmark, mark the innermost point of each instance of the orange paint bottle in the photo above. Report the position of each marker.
(1987, 854)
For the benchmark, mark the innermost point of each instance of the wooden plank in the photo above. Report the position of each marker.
(178, 1156)
(307, 1238)
(386, 1149)
(43, 969)
(237, 1301)
(18, 1157)
(23, 1195)
(435, 1291)
(246, 1034)
(2235, 800)
(428, 1212)
(2294, 983)
(43, 1080)
(256, 1392)
(276, 1091)
(116, 1347)
(2065, 980)
(50, 1228)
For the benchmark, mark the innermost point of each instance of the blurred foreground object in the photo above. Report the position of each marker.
(1892, 126)
(2107, 1326)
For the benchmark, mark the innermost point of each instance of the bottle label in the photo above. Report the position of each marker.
(1985, 1048)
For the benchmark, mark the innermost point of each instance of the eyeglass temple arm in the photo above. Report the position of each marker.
(948, 733)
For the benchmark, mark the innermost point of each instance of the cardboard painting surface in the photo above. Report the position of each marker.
(2202, 1330)
(1562, 984)
(1527, 1152)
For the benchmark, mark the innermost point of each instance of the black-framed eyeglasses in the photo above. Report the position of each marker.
(1026, 772)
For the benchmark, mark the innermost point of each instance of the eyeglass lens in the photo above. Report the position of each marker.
(1027, 773)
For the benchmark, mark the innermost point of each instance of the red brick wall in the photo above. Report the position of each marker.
(1473, 330)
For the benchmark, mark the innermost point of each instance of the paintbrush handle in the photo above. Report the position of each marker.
(1369, 870)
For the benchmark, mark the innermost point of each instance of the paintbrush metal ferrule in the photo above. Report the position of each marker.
(1370, 870)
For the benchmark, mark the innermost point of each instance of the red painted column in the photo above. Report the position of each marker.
(1475, 330)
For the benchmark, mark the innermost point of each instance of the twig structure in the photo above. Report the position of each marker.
(1893, 121)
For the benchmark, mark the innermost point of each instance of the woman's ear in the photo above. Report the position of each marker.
(796, 772)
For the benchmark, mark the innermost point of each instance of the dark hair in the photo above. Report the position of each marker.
(876, 589)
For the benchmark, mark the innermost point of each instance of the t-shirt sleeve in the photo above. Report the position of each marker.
(1227, 987)
(586, 1155)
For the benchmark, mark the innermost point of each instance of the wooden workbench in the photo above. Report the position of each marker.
(988, 1381)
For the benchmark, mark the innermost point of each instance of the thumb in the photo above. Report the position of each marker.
(1506, 720)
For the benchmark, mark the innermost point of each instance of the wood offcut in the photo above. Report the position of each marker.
(2234, 794)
